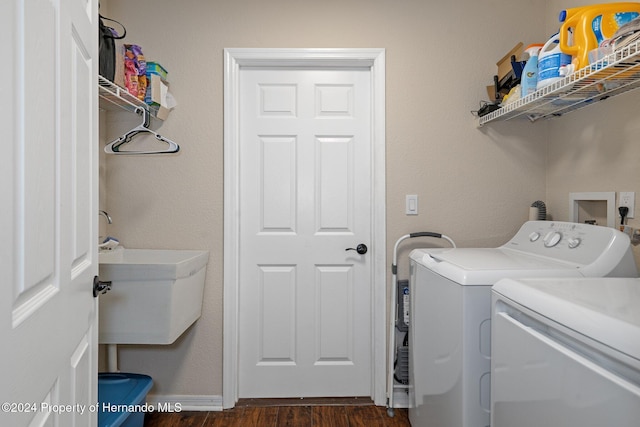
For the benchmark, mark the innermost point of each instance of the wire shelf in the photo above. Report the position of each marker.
(114, 97)
(612, 75)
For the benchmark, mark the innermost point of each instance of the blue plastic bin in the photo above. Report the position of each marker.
(119, 394)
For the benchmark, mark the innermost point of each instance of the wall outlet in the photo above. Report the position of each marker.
(628, 199)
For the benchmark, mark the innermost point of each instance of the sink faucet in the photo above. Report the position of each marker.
(106, 215)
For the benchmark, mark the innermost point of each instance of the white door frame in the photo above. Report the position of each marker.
(234, 60)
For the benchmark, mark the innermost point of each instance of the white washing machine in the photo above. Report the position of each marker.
(566, 352)
(450, 310)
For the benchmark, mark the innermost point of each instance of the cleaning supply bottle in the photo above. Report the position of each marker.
(550, 60)
(529, 78)
(584, 28)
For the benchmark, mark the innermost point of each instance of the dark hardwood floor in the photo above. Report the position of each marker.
(281, 414)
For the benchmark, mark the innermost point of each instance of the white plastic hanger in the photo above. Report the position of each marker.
(114, 146)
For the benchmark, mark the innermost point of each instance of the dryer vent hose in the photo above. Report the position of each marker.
(542, 211)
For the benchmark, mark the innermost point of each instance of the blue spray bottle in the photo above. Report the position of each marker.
(529, 78)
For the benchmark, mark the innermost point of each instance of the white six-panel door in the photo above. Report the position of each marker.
(305, 321)
(48, 254)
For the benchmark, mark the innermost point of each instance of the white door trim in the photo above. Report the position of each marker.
(234, 59)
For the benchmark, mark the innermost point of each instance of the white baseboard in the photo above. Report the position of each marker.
(187, 402)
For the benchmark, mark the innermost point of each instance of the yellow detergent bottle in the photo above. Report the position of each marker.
(584, 28)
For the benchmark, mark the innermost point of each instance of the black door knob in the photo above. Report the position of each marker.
(361, 249)
(100, 287)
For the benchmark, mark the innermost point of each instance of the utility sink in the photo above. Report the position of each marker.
(155, 294)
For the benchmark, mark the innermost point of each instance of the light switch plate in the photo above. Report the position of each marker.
(412, 204)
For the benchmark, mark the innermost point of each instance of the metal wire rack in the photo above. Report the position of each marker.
(114, 97)
(612, 75)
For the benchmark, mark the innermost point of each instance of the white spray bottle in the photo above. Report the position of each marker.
(529, 78)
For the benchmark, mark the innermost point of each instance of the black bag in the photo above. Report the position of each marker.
(107, 47)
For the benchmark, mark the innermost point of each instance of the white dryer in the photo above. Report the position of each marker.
(566, 352)
(450, 310)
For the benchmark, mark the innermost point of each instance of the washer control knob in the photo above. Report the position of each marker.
(574, 242)
(552, 239)
(534, 236)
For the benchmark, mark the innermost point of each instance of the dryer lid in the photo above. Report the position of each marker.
(603, 309)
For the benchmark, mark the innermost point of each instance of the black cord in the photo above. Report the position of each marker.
(624, 210)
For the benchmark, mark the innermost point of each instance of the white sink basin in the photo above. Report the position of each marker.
(155, 294)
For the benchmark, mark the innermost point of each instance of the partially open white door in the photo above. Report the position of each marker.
(48, 254)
